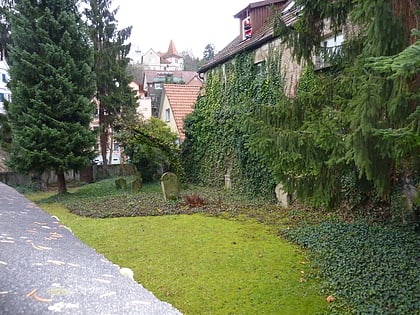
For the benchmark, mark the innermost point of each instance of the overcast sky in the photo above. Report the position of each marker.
(191, 24)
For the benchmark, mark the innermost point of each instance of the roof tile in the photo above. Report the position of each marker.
(182, 99)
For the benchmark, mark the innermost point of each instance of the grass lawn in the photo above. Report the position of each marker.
(200, 264)
(217, 252)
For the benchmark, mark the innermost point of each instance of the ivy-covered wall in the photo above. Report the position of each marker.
(350, 136)
(218, 133)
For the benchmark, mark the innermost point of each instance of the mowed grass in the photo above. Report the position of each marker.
(202, 264)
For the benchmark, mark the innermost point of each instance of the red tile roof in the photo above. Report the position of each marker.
(172, 52)
(182, 100)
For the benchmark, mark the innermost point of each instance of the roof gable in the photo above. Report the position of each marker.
(182, 99)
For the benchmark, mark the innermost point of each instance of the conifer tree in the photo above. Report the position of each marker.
(374, 115)
(113, 93)
(52, 85)
(5, 7)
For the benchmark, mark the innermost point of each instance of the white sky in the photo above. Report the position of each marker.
(191, 24)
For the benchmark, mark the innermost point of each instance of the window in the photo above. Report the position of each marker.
(246, 28)
(116, 146)
(261, 69)
(4, 77)
(1, 97)
(330, 47)
(167, 115)
(158, 86)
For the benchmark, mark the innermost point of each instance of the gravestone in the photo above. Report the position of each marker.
(228, 182)
(120, 183)
(136, 184)
(170, 186)
(284, 198)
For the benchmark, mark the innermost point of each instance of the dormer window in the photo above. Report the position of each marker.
(246, 28)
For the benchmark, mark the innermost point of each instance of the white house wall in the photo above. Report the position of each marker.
(4, 90)
(144, 108)
(162, 115)
(152, 60)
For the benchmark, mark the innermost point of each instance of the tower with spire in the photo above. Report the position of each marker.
(167, 61)
(172, 58)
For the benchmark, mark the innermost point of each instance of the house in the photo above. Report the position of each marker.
(148, 97)
(5, 93)
(113, 150)
(151, 60)
(153, 81)
(144, 103)
(257, 38)
(167, 61)
(173, 60)
(256, 34)
(178, 101)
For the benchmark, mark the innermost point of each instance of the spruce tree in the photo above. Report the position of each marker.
(52, 85)
(111, 49)
(373, 115)
(5, 7)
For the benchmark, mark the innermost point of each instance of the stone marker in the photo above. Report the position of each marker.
(284, 198)
(136, 184)
(228, 182)
(120, 183)
(170, 186)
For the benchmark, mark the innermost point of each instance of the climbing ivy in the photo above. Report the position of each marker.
(217, 139)
(350, 136)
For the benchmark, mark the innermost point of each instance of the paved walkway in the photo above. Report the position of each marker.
(45, 269)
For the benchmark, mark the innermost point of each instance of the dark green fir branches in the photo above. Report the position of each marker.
(52, 85)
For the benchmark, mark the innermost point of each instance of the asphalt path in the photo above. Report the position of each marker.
(45, 269)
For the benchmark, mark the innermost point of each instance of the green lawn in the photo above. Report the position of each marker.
(203, 264)
(229, 254)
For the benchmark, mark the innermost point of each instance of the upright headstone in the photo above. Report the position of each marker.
(283, 197)
(228, 182)
(170, 186)
(120, 183)
(136, 184)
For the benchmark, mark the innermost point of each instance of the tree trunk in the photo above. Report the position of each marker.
(103, 136)
(111, 147)
(61, 183)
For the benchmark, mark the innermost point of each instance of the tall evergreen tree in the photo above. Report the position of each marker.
(191, 63)
(52, 85)
(372, 115)
(5, 8)
(208, 52)
(111, 50)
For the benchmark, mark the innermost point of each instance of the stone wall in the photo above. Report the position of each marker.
(289, 68)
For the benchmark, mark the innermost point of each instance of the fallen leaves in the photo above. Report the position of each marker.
(39, 247)
(34, 295)
(330, 298)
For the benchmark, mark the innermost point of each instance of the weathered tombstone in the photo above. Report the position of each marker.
(136, 184)
(284, 198)
(228, 182)
(170, 186)
(121, 183)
